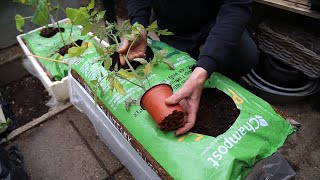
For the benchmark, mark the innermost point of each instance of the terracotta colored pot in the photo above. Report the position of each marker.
(166, 117)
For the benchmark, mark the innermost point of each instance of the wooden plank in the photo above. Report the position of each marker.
(302, 2)
(296, 6)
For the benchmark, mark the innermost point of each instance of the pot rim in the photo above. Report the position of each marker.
(151, 88)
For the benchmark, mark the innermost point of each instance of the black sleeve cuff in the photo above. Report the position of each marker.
(209, 64)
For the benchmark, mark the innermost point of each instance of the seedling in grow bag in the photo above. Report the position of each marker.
(166, 117)
(46, 10)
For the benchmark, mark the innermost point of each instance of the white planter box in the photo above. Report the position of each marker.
(109, 134)
(58, 90)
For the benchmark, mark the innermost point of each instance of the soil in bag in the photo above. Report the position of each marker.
(217, 112)
(64, 49)
(50, 31)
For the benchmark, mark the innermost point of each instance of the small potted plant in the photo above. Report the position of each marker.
(153, 100)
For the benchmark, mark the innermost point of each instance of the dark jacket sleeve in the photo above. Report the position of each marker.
(225, 35)
(139, 11)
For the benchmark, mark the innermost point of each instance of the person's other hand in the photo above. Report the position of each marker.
(189, 97)
(137, 50)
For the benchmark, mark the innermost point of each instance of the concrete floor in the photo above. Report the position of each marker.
(67, 147)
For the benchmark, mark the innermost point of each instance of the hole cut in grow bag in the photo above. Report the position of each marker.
(50, 31)
(64, 50)
(116, 60)
(217, 113)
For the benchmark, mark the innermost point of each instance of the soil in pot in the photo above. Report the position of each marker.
(27, 97)
(50, 31)
(64, 49)
(217, 112)
(166, 117)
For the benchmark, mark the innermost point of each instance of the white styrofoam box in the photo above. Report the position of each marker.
(108, 133)
(57, 89)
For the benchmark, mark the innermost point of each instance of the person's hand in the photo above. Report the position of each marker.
(189, 97)
(137, 50)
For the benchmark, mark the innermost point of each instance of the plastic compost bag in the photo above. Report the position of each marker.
(11, 162)
(256, 134)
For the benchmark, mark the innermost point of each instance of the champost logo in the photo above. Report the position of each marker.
(262, 122)
(252, 125)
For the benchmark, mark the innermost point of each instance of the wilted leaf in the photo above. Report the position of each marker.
(125, 74)
(118, 86)
(147, 69)
(107, 63)
(169, 63)
(19, 22)
(141, 60)
(94, 82)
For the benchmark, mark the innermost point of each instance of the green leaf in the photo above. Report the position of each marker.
(164, 32)
(118, 86)
(152, 27)
(93, 13)
(86, 29)
(141, 60)
(41, 16)
(137, 28)
(125, 74)
(90, 5)
(130, 37)
(19, 22)
(107, 63)
(99, 49)
(77, 51)
(100, 15)
(78, 16)
(109, 28)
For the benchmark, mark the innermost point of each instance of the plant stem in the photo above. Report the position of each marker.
(130, 81)
(134, 72)
(70, 32)
(48, 59)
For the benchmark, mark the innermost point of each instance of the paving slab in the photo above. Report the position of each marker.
(103, 154)
(302, 149)
(55, 150)
(123, 174)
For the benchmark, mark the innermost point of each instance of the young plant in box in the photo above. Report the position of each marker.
(73, 42)
(153, 100)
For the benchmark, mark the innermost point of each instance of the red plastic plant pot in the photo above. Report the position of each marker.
(166, 117)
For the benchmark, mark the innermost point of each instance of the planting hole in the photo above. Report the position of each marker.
(116, 59)
(64, 49)
(50, 31)
(217, 112)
